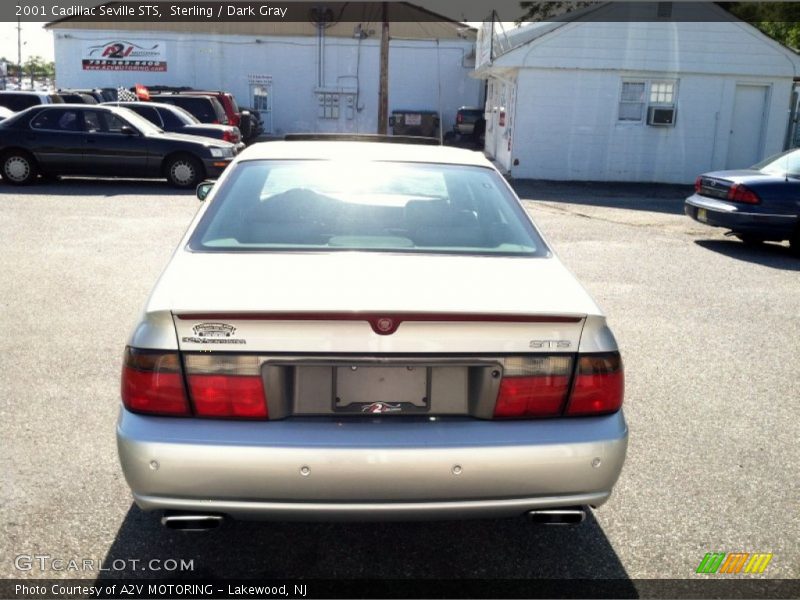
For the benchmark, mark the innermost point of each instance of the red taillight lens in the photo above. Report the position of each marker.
(599, 385)
(539, 386)
(531, 396)
(698, 183)
(228, 396)
(152, 383)
(229, 136)
(533, 387)
(459, 118)
(741, 193)
(226, 386)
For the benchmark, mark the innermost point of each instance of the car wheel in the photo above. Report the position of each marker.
(184, 171)
(19, 168)
(750, 240)
(794, 242)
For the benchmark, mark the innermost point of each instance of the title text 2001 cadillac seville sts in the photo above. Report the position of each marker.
(360, 330)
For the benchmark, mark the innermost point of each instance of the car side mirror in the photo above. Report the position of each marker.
(128, 130)
(204, 189)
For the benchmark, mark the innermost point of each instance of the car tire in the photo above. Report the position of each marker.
(184, 171)
(794, 242)
(19, 167)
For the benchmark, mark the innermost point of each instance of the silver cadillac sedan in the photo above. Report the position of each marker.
(361, 330)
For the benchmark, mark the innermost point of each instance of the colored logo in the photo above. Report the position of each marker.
(721, 563)
(381, 407)
(122, 50)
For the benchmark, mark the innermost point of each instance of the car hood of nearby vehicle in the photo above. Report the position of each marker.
(193, 139)
(212, 128)
(364, 281)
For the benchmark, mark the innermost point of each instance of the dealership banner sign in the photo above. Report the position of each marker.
(122, 55)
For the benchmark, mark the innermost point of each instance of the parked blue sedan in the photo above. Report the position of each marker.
(758, 204)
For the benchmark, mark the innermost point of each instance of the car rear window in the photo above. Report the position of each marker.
(175, 117)
(201, 107)
(377, 206)
(148, 112)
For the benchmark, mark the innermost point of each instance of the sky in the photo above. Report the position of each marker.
(35, 41)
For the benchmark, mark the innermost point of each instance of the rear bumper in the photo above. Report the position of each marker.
(738, 218)
(370, 469)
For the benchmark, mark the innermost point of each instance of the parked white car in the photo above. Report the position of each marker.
(365, 330)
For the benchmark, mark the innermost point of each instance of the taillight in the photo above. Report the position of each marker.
(599, 385)
(152, 383)
(741, 193)
(226, 386)
(698, 183)
(231, 135)
(459, 118)
(533, 386)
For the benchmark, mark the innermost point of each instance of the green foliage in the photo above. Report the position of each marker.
(779, 20)
(541, 11)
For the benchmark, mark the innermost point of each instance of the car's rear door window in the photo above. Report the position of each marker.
(57, 119)
(371, 206)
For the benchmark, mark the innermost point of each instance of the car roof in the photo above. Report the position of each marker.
(128, 104)
(370, 151)
(27, 93)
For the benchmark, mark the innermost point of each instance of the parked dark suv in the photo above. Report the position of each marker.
(205, 108)
(18, 101)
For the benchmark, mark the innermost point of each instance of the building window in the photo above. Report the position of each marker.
(631, 102)
(662, 92)
(637, 96)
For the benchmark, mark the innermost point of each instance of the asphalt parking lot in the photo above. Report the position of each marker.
(709, 334)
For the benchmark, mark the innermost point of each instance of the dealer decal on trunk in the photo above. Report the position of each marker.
(213, 333)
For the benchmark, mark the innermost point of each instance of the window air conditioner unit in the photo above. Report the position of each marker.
(660, 116)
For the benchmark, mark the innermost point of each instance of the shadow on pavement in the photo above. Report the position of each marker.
(494, 549)
(768, 254)
(96, 186)
(652, 197)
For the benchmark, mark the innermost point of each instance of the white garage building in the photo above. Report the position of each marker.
(300, 76)
(620, 94)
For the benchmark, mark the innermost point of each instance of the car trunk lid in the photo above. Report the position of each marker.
(372, 303)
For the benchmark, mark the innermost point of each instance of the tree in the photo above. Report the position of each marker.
(542, 11)
(35, 67)
(779, 20)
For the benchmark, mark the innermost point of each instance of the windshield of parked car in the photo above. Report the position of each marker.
(372, 206)
(785, 164)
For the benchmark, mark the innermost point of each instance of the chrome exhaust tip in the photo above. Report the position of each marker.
(191, 521)
(558, 516)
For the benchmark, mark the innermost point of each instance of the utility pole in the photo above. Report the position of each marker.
(383, 91)
(19, 52)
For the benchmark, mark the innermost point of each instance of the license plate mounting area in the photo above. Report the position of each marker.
(393, 390)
